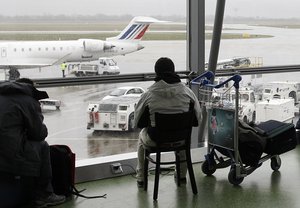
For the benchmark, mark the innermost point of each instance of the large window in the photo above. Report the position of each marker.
(264, 35)
(60, 20)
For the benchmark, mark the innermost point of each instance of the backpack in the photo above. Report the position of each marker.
(252, 142)
(63, 172)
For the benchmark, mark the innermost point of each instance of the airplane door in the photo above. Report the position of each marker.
(3, 52)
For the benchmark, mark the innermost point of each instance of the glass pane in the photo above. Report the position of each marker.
(264, 34)
(81, 108)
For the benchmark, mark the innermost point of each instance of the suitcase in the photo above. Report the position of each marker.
(281, 137)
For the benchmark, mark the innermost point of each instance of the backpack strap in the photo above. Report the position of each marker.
(76, 192)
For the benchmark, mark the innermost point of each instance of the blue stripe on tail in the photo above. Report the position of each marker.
(128, 32)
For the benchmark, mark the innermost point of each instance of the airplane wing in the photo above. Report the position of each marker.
(61, 60)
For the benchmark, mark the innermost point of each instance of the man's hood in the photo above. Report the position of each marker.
(22, 88)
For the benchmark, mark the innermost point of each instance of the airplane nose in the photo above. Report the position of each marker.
(140, 47)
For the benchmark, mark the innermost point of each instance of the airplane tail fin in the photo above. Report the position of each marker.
(136, 29)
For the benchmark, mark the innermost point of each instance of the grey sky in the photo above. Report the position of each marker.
(247, 8)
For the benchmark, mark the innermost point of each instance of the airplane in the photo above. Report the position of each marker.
(35, 54)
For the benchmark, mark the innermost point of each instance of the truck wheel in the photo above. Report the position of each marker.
(80, 74)
(245, 119)
(131, 122)
(293, 95)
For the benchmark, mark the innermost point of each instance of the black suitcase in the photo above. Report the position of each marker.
(281, 137)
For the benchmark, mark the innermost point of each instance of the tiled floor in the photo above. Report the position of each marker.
(263, 188)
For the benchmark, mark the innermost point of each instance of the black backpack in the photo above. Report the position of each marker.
(63, 172)
(252, 142)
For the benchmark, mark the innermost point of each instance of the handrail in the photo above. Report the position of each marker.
(121, 78)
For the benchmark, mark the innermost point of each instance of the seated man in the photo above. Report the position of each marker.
(166, 95)
(24, 153)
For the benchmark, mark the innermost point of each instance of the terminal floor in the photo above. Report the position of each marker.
(261, 189)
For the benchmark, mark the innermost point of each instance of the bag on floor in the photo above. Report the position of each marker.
(63, 172)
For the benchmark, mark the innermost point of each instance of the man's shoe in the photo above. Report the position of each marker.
(140, 184)
(50, 200)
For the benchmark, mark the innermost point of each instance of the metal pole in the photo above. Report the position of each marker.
(213, 58)
(216, 36)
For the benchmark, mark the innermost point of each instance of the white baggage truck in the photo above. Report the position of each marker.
(275, 109)
(50, 102)
(104, 66)
(115, 114)
(282, 89)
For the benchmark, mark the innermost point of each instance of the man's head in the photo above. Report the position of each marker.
(25, 80)
(164, 65)
(165, 70)
(36, 93)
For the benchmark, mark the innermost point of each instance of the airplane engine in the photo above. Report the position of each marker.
(94, 45)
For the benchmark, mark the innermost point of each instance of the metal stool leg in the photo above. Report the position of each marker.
(146, 165)
(191, 171)
(157, 172)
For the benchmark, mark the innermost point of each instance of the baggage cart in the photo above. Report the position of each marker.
(223, 130)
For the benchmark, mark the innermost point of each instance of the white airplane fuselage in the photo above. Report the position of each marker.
(45, 53)
(31, 54)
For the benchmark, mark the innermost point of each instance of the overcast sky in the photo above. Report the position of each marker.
(246, 8)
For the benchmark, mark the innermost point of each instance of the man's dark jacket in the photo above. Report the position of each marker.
(21, 128)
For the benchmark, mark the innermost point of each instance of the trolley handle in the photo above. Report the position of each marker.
(203, 79)
(236, 78)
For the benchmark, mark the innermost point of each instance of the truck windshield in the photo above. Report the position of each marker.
(108, 107)
(111, 62)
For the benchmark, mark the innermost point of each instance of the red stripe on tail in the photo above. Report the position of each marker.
(139, 36)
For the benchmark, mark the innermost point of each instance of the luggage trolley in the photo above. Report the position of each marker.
(223, 133)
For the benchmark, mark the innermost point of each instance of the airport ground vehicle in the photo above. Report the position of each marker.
(115, 114)
(239, 62)
(255, 110)
(125, 91)
(247, 103)
(275, 109)
(104, 66)
(282, 90)
(50, 102)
